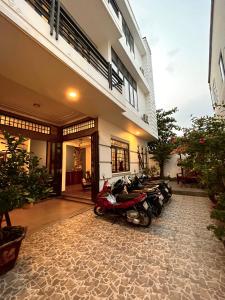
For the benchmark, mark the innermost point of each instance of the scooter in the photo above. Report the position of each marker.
(133, 207)
(154, 195)
(162, 185)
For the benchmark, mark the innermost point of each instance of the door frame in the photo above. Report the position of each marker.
(55, 137)
(93, 133)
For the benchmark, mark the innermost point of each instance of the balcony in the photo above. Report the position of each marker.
(44, 68)
(63, 24)
(115, 7)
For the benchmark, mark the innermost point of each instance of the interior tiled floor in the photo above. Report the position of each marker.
(78, 191)
(88, 257)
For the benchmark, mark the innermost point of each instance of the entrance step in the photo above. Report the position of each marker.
(187, 189)
(79, 199)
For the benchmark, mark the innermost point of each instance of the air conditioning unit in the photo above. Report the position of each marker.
(145, 118)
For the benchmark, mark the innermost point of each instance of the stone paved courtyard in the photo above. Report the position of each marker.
(87, 257)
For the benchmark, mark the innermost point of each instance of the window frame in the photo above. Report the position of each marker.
(128, 36)
(126, 155)
(132, 84)
(222, 67)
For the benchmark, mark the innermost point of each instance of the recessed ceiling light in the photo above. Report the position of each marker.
(71, 94)
(137, 132)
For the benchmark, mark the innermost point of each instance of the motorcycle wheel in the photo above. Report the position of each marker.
(99, 211)
(156, 209)
(145, 218)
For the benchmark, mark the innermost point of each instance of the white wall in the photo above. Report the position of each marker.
(141, 102)
(150, 98)
(170, 169)
(137, 56)
(217, 86)
(106, 132)
(39, 148)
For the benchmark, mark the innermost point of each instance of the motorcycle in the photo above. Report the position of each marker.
(154, 195)
(133, 207)
(162, 185)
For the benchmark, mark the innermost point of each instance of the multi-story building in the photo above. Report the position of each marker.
(76, 80)
(217, 56)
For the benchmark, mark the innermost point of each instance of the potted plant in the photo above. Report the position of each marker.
(21, 181)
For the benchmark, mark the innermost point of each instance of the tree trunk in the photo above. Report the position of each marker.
(161, 166)
(7, 219)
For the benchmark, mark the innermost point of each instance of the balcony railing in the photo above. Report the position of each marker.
(115, 6)
(65, 26)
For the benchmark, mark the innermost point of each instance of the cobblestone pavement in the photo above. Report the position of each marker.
(87, 257)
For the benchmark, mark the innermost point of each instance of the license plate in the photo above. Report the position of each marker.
(161, 197)
(145, 204)
(161, 200)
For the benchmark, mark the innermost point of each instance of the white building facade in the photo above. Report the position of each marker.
(76, 69)
(217, 56)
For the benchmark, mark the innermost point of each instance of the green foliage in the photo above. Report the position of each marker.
(21, 178)
(204, 149)
(218, 214)
(204, 145)
(38, 183)
(162, 148)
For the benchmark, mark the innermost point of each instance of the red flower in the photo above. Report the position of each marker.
(201, 141)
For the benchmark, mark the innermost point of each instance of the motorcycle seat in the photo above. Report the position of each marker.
(126, 197)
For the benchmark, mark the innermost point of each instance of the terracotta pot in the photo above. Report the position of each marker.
(9, 253)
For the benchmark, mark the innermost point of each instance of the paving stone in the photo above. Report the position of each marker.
(88, 257)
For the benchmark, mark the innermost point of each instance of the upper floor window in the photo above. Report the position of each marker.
(130, 85)
(114, 6)
(128, 35)
(120, 156)
(222, 68)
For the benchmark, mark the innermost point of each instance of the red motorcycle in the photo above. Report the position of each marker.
(133, 207)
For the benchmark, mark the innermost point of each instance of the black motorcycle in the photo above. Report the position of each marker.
(154, 196)
(162, 185)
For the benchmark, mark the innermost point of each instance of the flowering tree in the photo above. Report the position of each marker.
(162, 148)
(204, 146)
